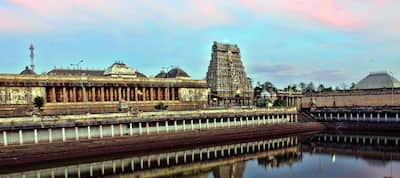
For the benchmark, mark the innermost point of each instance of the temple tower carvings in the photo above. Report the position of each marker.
(227, 78)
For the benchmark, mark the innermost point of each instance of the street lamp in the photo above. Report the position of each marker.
(392, 76)
(83, 87)
(166, 76)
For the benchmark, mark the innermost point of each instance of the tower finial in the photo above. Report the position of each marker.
(32, 55)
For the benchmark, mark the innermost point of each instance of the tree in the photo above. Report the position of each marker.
(321, 87)
(38, 101)
(160, 106)
(302, 86)
(310, 87)
(352, 86)
(280, 103)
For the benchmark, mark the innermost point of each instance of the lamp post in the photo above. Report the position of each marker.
(166, 76)
(83, 87)
(392, 76)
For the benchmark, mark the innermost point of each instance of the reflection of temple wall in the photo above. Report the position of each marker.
(224, 161)
(367, 146)
(235, 170)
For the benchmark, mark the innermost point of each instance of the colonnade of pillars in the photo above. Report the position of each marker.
(274, 147)
(375, 117)
(35, 136)
(109, 94)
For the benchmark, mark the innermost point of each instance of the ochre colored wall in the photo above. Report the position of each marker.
(353, 98)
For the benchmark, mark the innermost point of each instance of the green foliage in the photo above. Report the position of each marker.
(38, 102)
(262, 103)
(160, 106)
(280, 103)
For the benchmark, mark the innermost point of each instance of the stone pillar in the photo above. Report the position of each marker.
(85, 95)
(331, 116)
(21, 138)
(184, 125)
(119, 93)
(94, 94)
(147, 128)
(166, 126)
(140, 128)
(191, 124)
(338, 116)
(63, 134)
(370, 117)
(136, 94)
(159, 93)
(397, 117)
(295, 117)
(144, 94)
(131, 128)
(199, 123)
(101, 131)
(166, 96)
(151, 94)
(345, 116)
(379, 117)
(76, 133)
(89, 132)
(128, 94)
(175, 126)
(157, 127)
(111, 89)
(65, 95)
(102, 94)
(53, 95)
(351, 116)
(35, 135)
(172, 93)
(74, 94)
(112, 130)
(386, 117)
(207, 126)
(50, 135)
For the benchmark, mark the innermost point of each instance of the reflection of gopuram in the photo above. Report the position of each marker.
(235, 170)
(288, 158)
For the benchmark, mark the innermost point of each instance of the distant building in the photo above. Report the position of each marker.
(377, 89)
(227, 78)
(378, 80)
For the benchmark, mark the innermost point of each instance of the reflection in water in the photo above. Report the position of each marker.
(222, 160)
(321, 155)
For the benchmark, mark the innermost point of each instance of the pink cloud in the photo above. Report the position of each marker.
(327, 12)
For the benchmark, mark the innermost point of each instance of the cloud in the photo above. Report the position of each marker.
(289, 72)
(193, 14)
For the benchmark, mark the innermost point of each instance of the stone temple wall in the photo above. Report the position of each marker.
(348, 98)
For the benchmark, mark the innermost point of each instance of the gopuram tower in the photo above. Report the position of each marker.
(227, 78)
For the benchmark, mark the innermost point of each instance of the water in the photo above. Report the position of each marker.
(319, 155)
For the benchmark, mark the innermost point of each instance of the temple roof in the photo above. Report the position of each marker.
(120, 69)
(378, 80)
(76, 72)
(28, 71)
(173, 73)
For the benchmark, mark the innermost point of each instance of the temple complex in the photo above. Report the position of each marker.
(227, 78)
(118, 88)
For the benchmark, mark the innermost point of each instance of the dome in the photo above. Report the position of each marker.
(378, 80)
(120, 69)
(162, 74)
(177, 73)
(28, 71)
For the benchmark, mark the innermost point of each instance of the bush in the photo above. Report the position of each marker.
(280, 103)
(38, 102)
(160, 106)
